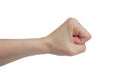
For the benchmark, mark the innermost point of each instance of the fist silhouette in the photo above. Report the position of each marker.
(69, 39)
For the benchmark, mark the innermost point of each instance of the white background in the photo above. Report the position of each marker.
(37, 18)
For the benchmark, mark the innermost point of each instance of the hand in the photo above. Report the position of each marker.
(68, 39)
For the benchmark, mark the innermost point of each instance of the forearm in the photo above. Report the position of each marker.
(13, 49)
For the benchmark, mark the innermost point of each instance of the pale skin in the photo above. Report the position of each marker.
(68, 39)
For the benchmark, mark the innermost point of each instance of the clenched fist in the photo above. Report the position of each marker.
(69, 38)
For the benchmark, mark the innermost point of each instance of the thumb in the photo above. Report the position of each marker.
(79, 33)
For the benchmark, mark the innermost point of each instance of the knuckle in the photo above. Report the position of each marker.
(71, 20)
(89, 36)
(70, 52)
(83, 48)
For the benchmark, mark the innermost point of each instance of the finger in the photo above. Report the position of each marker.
(80, 33)
(83, 33)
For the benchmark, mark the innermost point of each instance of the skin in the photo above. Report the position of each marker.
(68, 39)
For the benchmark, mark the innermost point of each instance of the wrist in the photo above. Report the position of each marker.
(42, 45)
